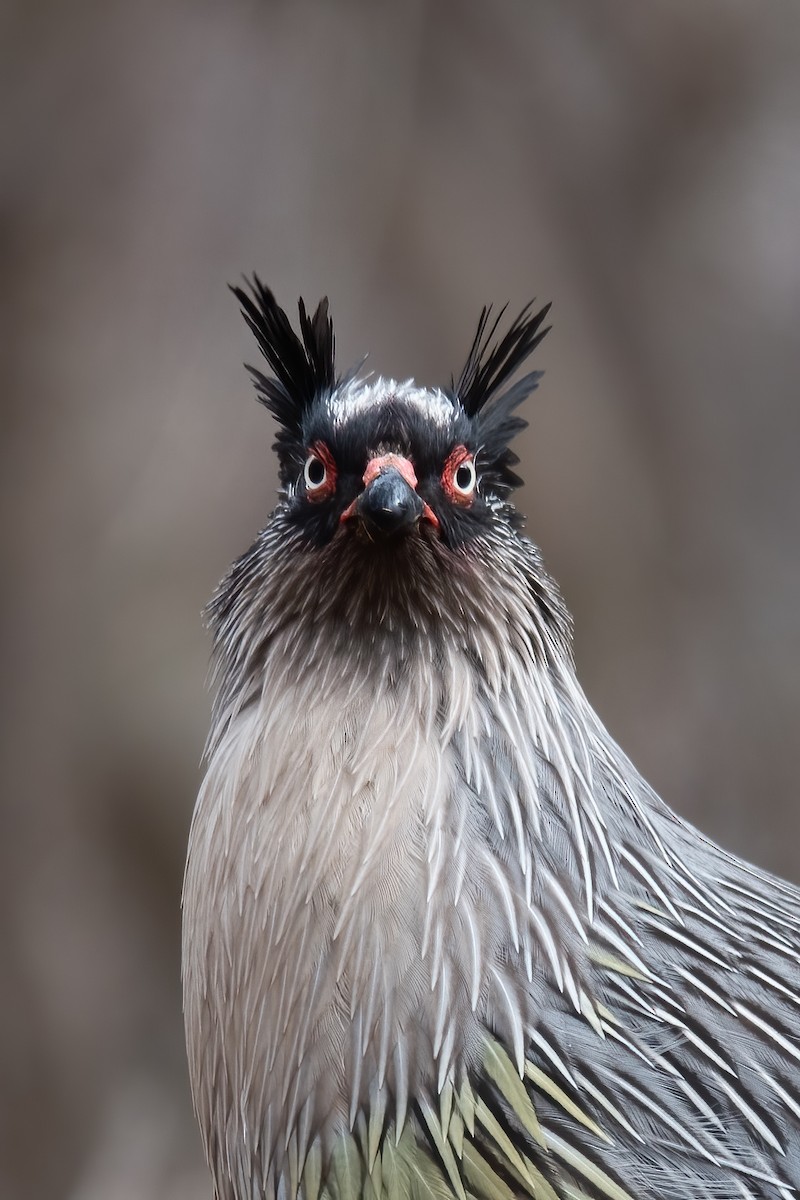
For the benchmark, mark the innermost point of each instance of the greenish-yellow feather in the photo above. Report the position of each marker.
(377, 1119)
(444, 1148)
(609, 1017)
(501, 1071)
(610, 962)
(376, 1175)
(545, 1084)
(589, 1170)
(573, 1193)
(312, 1172)
(456, 1132)
(481, 1178)
(508, 1153)
(347, 1172)
(425, 1177)
(395, 1176)
(465, 1099)
(446, 1107)
(294, 1170)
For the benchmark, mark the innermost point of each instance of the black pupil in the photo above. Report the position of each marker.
(315, 472)
(464, 477)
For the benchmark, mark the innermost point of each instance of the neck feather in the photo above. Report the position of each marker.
(399, 784)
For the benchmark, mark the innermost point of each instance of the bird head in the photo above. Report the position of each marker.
(391, 467)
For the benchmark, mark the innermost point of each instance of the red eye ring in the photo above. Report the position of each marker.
(319, 473)
(459, 477)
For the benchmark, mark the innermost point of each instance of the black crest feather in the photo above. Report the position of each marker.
(303, 366)
(489, 367)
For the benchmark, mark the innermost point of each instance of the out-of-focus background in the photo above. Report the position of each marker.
(637, 164)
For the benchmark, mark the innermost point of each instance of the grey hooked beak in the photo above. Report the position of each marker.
(388, 504)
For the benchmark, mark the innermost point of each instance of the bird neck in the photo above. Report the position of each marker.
(386, 806)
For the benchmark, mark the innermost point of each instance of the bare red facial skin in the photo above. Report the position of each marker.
(455, 459)
(328, 486)
(383, 462)
(376, 466)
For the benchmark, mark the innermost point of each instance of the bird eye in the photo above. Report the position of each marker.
(459, 478)
(464, 478)
(314, 472)
(319, 473)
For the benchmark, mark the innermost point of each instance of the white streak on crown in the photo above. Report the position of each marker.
(360, 395)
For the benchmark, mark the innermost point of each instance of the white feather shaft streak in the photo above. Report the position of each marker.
(791, 1102)
(751, 1115)
(648, 1104)
(513, 1019)
(695, 982)
(768, 1030)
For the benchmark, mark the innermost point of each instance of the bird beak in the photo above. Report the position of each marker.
(389, 503)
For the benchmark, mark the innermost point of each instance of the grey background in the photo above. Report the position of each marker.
(637, 164)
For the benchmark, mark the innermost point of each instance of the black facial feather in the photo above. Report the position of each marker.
(496, 427)
(303, 366)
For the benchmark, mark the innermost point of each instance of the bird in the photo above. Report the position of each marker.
(440, 937)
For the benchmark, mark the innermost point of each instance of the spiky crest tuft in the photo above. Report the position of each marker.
(303, 366)
(487, 368)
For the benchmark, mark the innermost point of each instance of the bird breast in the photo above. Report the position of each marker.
(325, 882)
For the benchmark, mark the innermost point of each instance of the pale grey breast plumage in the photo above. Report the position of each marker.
(440, 938)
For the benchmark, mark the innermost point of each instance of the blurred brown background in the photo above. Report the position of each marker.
(637, 164)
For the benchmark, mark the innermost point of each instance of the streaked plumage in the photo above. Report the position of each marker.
(440, 937)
